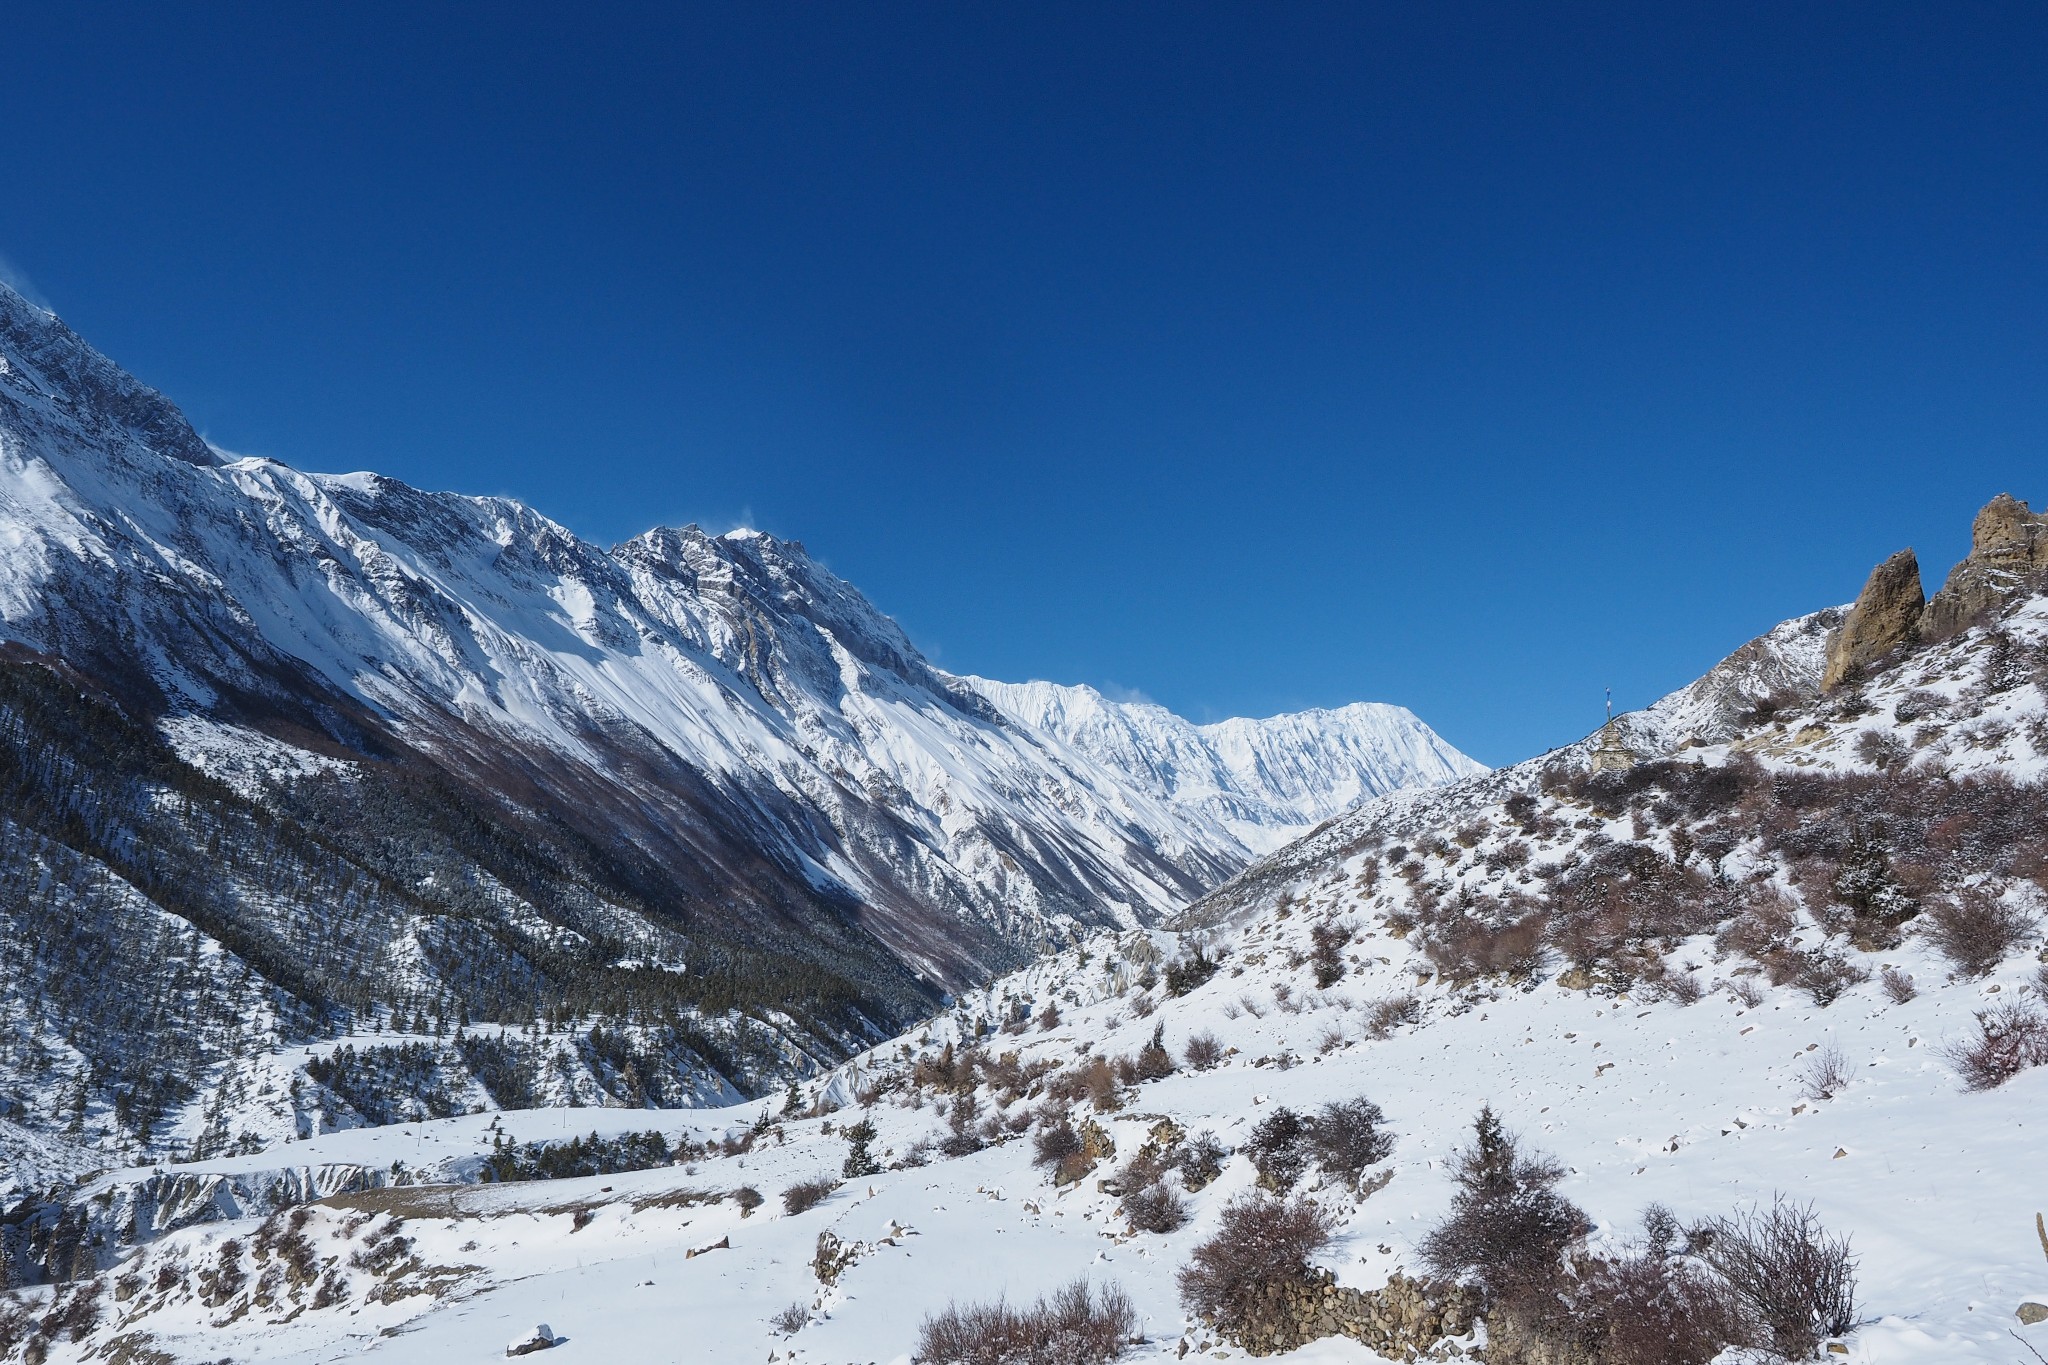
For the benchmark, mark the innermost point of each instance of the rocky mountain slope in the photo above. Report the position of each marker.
(1791, 952)
(290, 756)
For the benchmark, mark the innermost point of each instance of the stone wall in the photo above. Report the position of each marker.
(1400, 1322)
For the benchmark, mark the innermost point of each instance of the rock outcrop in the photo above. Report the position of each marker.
(1885, 617)
(2008, 548)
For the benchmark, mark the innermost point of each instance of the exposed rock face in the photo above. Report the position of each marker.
(1886, 615)
(2008, 547)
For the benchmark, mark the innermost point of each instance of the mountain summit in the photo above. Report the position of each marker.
(505, 770)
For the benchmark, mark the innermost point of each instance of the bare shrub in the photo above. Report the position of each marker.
(1262, 1243)
(1391, 1013)
(1203, 1051)
(1348, 1136)
(1882, 748)
(1190, 969)
(1746, 992)
(1076, 1326)
(1824, 976)
(1154, 1061)
(1681, 987)
(1827, 1072)
(808, 1194)
(2010, 1038)
(1201, 1160)
(1280, 1148)
(1056, 1143)
(791, 1320)
(1898, 985)
(1156, 1208)
(1975, 929)
(1049, 1018)
(1644, 1308)
(1328, 956)
(1797, 1279)
(1507, 1225)
(1330, 1039)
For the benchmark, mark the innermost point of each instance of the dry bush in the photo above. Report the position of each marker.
(1746, 992)
(1261, 1243)
(1797, 1279)
(1330, 1039)
(1464, 946)
(1882, 748)
(1154, 1061)
(1076, 1326)
(2010, 1038)
(1203, 1051)
(1680, 987)
(1975, 929)
(1391, 1013)
(1190, 969)
(792, 1319)
(1898, 985)
(1507, 1226)
(1639, 1309)
(808, 1194)
(1824, 976)
(1280, 1148)
(1348, 1136)
(1328, 956)
(1201, 1160)
(1156, 1208)
(1049, 1018)
(1826, 1072)
(1056, 1143)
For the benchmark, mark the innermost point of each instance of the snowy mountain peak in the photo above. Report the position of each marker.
(43, 363)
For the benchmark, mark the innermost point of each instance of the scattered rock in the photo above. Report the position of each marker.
(2031, 1313)
(539, 1339)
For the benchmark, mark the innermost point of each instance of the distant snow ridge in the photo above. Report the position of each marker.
(1262, 780)
(736, 712)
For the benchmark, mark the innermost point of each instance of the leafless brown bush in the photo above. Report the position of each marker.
(1797, 1279)
(1076, 1326)
(1824, 976)
(1746, 992)
(792, 1319)
(808, 1194)
(1348, 1136)
(1975, 929)
(1898, 985)
(1826, 1072)
(1156, 1208)
(2010, 1038)
(1203, 1050)
(1261, 1243)
(1391, 1013)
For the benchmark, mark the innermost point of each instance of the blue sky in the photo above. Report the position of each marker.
(1252, 357)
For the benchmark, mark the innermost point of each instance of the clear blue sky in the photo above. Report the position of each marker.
(1254, 357)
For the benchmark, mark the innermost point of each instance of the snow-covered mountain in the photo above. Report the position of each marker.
(1791, 953)
(1262, 780)
(472, 626)
(691, 771)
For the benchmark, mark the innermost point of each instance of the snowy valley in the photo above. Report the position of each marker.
(1768, 948)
